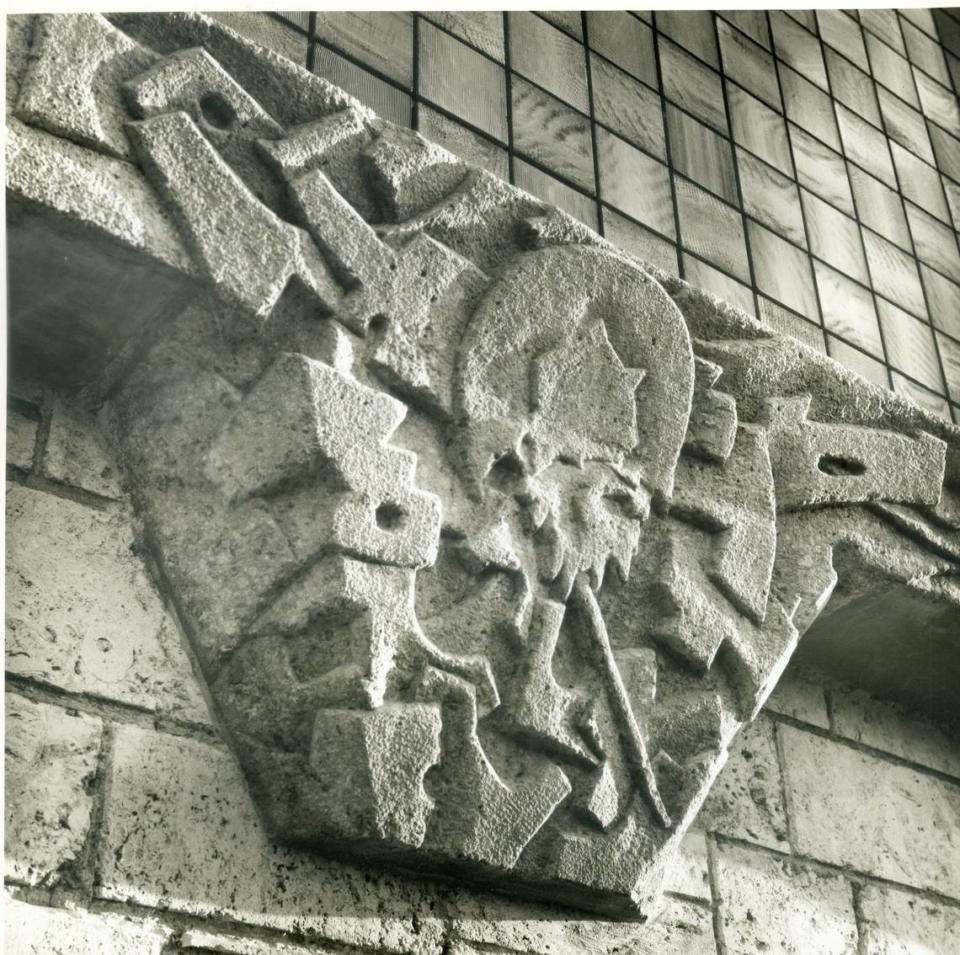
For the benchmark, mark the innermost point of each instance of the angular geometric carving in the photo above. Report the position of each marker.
(488, 537)
(249, 253)
(828, 464)
(72, 86)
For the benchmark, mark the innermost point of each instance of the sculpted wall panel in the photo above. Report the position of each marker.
(489, 538)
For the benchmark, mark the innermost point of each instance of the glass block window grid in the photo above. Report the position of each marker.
(803, 165)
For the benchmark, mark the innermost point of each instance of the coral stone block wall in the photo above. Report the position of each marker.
(834, 828)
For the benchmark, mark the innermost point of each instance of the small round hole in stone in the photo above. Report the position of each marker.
(217, 111)
(389, 517)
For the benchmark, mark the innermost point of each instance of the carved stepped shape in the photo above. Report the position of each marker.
(488, 537)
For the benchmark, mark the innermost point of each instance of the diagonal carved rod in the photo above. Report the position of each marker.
(617, 694)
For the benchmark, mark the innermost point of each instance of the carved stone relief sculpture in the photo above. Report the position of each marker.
(488, 537)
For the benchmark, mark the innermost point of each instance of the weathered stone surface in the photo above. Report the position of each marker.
(39, 930)
(76, 453)
(19, 40)
(775, 905)
(180, 832)
(249, 253)
(855, 810)
(689, 875)
(51, 760)
(481, 923)
(72, 85)
(108, 196)
(81, 612)
(198, 940)
(21, 439)
(428, 464)
(819, 464)
(800, 694)
(891, 728)
(746, 800)
(901, 923)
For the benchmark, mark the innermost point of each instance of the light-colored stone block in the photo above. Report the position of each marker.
(51, 757)
(198, 940)
(21, 439)
(496, 924)
(857, 810)
(82, 613)
(181, 832)
(38, 930)
(885, 726)
(690, 875)
(746, 801)
(778, 907)
(800, 694)
(77, 454)
(682, 928)
(902, 923)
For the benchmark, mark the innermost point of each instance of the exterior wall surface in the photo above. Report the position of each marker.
(834, 828)
(835, 825)
(826, 142)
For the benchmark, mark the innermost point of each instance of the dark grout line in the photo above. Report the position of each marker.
(884, 755)
(593, 122)
(671, 172)
(415, 66)
(848, 874)
(863, 246)
(736, 173)
(110, 711)
(312, 43)
(508, 79)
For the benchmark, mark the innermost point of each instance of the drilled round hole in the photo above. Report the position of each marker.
(217, 111)
(389, 517)
(378, 324)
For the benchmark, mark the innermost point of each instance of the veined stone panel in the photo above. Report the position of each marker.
(488, 537)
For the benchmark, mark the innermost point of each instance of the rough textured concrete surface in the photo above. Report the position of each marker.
(82, 613)
(491, 541)
(51, 760)
(36, 930)
(886, 820)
